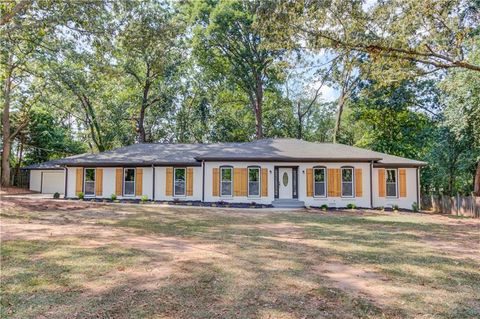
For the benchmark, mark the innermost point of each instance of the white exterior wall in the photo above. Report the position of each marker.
(49, 185)
(35, 180)
(402, 202)
(108, 187)
(363, 201)
(160, 185)
(160, 181)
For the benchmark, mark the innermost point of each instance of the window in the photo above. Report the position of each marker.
(89, 182)
(347, 182)
(226, 179)
(391, 182)
(129, 182)
(319, 182)
(254, 181)
(179, 181)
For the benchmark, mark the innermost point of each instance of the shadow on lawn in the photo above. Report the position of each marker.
(263, 271)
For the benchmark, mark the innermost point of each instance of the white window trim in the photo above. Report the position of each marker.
(396, 182)
(134, 181)
(94, 182)
(231, 182)
(185, 182)
(259, 181)
(325, 182)
(353, 182)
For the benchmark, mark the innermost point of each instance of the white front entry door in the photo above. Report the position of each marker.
(285, 188)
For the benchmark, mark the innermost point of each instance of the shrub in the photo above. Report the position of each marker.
(56, 195)
(324, 207)
(415, 207)
(113, 197)
(81, 195)
(351, 206)
(395, 207)
(144, 199)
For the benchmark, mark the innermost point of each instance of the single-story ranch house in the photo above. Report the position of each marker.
(282, 172)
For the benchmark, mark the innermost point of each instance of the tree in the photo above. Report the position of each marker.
(150, 52)
(401, 38)
(229, 47)
(462, 114)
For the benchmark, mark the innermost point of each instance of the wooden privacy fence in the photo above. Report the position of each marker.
(457, 205)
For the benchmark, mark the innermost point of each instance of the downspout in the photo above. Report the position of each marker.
(41, 182)
(153, 182)
(418, 188)
(203, 181)
(371, 184)
(66, 181)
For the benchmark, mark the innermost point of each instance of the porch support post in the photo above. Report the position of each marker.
(153, 182)
(203, 181)
(371, 184)
(66, 181)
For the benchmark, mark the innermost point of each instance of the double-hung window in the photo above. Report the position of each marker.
(391, 182)
(347, 182)
(319, 178)
(89, 182)
(254, 181)
(180, 177)
(129, 182)
(226, 181)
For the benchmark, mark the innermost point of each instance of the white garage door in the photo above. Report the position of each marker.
(53, 182)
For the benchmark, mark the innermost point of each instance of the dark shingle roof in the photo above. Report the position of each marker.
(53, 164)
(262, 150)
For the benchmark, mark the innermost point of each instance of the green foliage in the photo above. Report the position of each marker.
(324, 207)
(81, 195)
(351, 206)
(113, 197)
(144, 199)
(56, 195)
(415, 207)
(395, 207)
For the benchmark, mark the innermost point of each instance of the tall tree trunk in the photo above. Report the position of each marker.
(6, 125)
(341, 103)
(142, 135)
(476, 187)
(300, 122)
(258, 108)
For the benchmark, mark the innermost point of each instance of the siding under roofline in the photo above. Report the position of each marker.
(119, 164)
(395, 165)
(283, 159)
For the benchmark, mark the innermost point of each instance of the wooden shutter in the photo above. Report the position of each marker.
(190, 181)
(403, 182)
(99, 182)
(331, 182)
(338, 182)
(309, 182)
(244, 181)
(381, 182)
(169, 181)
(358, 182)
(264, 181)
(139, 182)
(118, 181)
(215, 182)
(79, 181)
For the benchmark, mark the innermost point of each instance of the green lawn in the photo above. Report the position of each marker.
(146, 261)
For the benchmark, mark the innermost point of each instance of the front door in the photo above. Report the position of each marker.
(285, 180)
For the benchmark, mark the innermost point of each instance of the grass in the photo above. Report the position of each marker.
(135, 261)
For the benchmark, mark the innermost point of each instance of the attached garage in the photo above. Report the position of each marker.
(47, 178)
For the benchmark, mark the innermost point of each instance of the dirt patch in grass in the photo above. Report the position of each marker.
(137, 261)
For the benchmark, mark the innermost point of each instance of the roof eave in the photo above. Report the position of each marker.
(284, 159)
